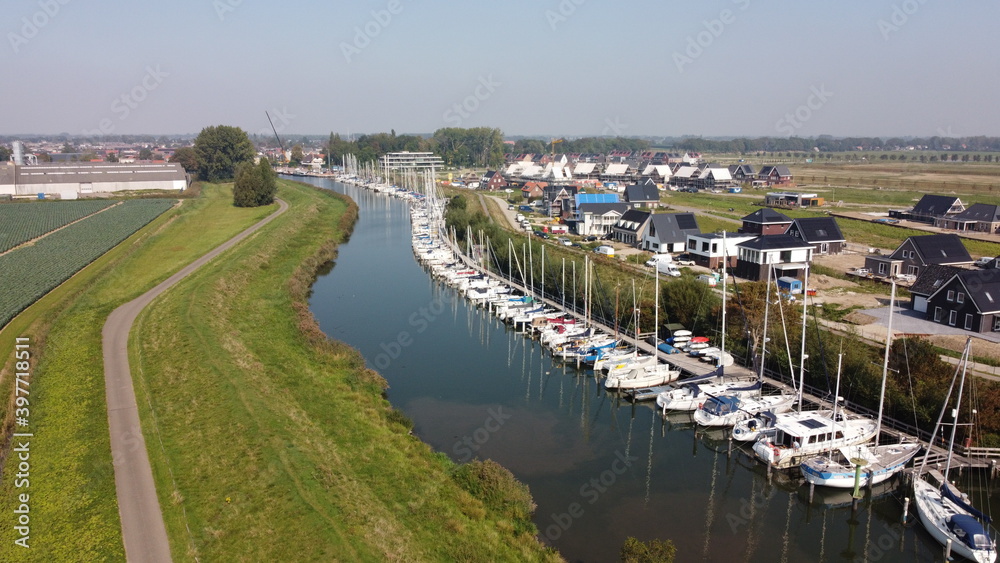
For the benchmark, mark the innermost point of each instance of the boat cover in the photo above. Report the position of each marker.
(947, 492)
(969, 530)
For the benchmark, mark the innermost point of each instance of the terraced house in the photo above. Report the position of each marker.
(969, 300)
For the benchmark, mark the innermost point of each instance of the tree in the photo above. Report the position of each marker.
(187, 158)
(112, 156)
(67, 148)
(4, 153)
(220, 150)
(297, 155)
(656, 551)
(255, 184)
(145, 154)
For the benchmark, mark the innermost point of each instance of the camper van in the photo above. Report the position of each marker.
(605, 250)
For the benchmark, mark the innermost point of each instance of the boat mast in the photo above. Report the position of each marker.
(656, 314)
(725, 262)
(763, 338)
(802, 353)
(885, 361)
(958, 407)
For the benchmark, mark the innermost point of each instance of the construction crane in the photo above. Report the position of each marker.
(554, 141)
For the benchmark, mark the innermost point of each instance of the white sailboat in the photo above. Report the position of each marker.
(945, 512)
(879, 462)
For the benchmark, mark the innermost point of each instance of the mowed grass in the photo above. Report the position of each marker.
(73, 509)
(270, 443)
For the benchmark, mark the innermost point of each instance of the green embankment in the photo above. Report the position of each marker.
(73, 511)
(270, 443)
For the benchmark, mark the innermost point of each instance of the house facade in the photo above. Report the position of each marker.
(712, 250)
(823, 233)
(597, 219)
(970, 300)
(917, 252)
(631, 227)
(667, 232)
(766, 221)
(978, 217)
(775, 175)
(493, 181)
(788, 256)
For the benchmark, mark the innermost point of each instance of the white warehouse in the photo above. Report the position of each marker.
(71, 180)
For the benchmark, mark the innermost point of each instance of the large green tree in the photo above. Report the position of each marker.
(4, 153)
(220, 150)
(297, 155)
(255, 184)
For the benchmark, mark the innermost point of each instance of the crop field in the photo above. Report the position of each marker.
(28, 273)
(21, 222)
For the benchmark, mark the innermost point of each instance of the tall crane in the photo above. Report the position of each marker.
(554, 141)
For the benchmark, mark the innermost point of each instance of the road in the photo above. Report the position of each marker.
(143, 530)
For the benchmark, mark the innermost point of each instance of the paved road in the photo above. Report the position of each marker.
(143, 531)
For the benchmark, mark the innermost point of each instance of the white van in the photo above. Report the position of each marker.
(659, 259)
(668, 269)
(708, 279)
(605, 250)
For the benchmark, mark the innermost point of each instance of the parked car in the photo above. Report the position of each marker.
(984, 261)
(684, 260)
(906, 278)
(591, 238)
(565, 241)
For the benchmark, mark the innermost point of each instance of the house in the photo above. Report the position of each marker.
(715, 177)
(775, 175)
(792, 199)
(711, 250)
(559, 200)
(667, 232)
(930, 280)
(823, 233)
(979, 217)
(493, 181)
(685, 176)
(631, 227)
(969, 300)
(657, 172)
(597, 219)
(533, 190)
(917, 252)
(640, 195)
(742, 172)
(789, 256)
(931, 207)
(765, 221)
(617, 172)
(585, 170)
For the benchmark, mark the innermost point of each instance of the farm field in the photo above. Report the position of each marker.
(21, 222)
(28, 273)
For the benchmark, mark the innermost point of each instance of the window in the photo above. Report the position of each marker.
(824, 248)
(912, 270)
(996, 324)
(952, 317)
(881, 268)
(968, 321)
(960, 298)
(951, 296)
(704, 247)
(937, 314)
(693, 244)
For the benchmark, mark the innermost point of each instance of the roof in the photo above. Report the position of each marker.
(632, 220)
(816, 229)
(602, 208)
(685, 172)
(935, 205)
(616, 169)
(980, 212)
(645, 192)
(718, 174)
(932, 277)
(747, 169)
(774, 242)
(584, 168)
(596, 198)
(766, 216)
(984, 289)
(672, 227)
(97, 173)
(781, 170)
(940, 249)
(661, 170)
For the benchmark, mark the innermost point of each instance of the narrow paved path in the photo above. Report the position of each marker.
(143, 530)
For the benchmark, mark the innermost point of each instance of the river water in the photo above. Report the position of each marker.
(600, 469)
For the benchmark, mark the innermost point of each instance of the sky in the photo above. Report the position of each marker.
(543, 68)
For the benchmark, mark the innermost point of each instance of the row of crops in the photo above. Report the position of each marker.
(21, 222)
(28, 273)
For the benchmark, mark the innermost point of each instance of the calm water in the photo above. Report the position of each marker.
(599, 469)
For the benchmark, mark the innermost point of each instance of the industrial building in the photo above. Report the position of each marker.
(74, 180)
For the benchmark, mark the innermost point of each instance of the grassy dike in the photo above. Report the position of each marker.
(271, 443)
(73, 510)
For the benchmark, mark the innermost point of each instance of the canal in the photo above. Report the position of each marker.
(599, 468)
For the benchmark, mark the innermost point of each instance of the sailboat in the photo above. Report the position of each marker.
(944, 511)
(879, 463)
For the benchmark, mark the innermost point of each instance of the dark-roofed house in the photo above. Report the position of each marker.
(668, 232)
(598, 218)
(493, 180)
(788, 255)
(631, 227)
(931, 207)
(640, 195)
(821, 232)
(775, 175)
(559, 200)
(930, 280)
(917, 252)
(765, 221)
(712, 250)
(981, 217)
(742, 172)
(969, 300)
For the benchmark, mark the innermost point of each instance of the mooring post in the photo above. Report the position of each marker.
(947, 550)
(906, 509)
(812, 489)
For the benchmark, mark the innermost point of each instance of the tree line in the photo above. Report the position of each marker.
(831, 144)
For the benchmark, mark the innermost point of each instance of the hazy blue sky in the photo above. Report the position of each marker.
(575, 67)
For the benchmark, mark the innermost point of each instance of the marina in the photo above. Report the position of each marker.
(566, 429)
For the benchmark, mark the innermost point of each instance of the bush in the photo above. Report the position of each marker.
(499, 490)
(255, 184)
